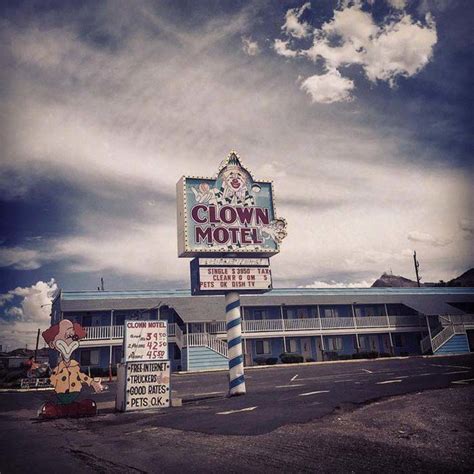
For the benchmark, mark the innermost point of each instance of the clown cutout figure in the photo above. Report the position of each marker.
(67, 378)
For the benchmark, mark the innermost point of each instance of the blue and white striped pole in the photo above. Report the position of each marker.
(234, 343)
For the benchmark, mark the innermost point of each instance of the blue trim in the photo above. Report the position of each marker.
(237, 381)
(235, 361)
(233, 323)
(103, 295)
(232, 306)
(234, 342)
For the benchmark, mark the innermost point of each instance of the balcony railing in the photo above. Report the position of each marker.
(274, 325)
(115, 332)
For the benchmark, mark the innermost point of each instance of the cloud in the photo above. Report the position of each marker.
(328, 88)
(250, 47)
(399, 47)
(293, 26)
(25, 310)
(281, 48)
(425, 238)
(335, 284)
(467, 226)
(20, 258)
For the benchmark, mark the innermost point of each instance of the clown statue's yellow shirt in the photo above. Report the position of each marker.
(68, 378)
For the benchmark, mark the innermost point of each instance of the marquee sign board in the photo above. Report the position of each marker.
(145, 340)
(143, 385)
(230, 213)
(219, 275)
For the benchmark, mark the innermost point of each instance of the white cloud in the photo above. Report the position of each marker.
(328, 88)
(250, 47)
(401, 47)
(425, 238)
(21, 320)
(281, 48)
(467, 226)
(335, 284)
(293, 26)
(20, 258)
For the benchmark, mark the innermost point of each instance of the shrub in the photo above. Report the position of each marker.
(366, 355)
(310, 359)
(344, 357)
(260, 360)
(330, 355)
(14, 375)
(289, 358)
(385, 354)
(271, 360)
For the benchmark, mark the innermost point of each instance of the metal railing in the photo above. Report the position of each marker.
(442, 337)
(200, 339)
(425, 344)
(115, 332)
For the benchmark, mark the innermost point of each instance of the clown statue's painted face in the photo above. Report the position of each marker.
(66, 340)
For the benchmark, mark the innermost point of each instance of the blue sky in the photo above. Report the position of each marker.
(359, 112)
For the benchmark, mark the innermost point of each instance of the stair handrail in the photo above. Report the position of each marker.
(425, 344)
(204, 339)
(442, 337)
(179, 336)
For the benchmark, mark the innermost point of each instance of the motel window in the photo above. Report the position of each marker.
(260, 314)
(331, 313)
(293, 345)
(90, 357)
(262, 347)
(119, 319)
(398, 340)
(335, 343)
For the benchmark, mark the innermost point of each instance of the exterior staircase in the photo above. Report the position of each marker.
(203, 351)
(450, 338)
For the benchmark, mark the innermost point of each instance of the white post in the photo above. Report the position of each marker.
(389, 332)
(355, 326)
(234, 343)
(283, 328)
(187, 347)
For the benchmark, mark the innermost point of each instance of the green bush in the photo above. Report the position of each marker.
(289, 358)
(310, 359)
(260, 360)
(14, 375)
(385, 354)
(330, 355)
(344, 357)
(365, 355)
(271, 360)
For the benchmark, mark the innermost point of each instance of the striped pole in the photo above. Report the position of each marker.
(234, 343)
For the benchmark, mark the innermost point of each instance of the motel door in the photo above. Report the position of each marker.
(306, 351)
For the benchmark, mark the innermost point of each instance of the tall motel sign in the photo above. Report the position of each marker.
(228, 224)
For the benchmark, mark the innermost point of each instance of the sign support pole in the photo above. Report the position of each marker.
(234, 343)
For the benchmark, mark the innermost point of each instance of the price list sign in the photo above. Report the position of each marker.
(146, 341)
(147, 385)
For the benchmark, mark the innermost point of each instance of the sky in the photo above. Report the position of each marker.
(359, 111)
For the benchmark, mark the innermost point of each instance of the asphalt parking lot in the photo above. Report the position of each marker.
(338, 417)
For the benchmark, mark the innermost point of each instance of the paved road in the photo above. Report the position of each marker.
(293, 419)
(277, 396)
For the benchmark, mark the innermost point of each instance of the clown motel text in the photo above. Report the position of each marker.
(228, 224)
(143, 385)
(145, 340)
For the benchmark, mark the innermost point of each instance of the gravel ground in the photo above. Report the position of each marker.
(423, 432)
(430, 431)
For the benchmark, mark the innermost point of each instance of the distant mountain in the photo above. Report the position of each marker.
(393, 281)
(396, 281)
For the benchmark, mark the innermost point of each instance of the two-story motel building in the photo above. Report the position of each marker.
(319, 324)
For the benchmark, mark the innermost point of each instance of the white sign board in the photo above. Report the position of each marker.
(235, 278)
(146, 340)
(143, 385)
(238, 262)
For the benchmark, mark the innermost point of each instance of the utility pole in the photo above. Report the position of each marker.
(101, 284)
(417, 266)
(37, 342)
